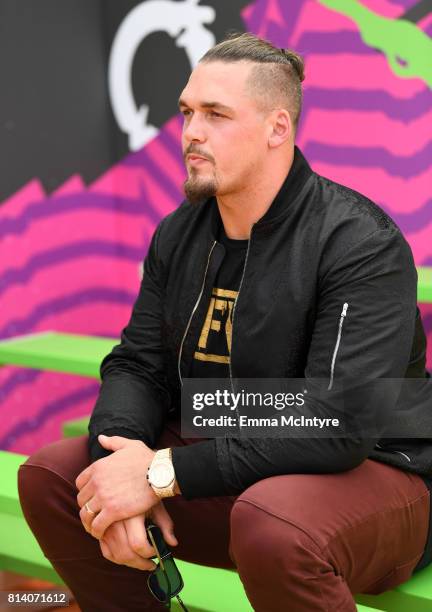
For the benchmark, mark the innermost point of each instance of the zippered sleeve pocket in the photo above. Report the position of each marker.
(337, 344)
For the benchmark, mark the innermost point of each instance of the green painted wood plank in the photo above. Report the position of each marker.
(9, 464)
(424, 287)
(218, 590)
(71, 353)
(212, 589)
(77, 427)
(20, 551)
(419, 585)
(394, 601)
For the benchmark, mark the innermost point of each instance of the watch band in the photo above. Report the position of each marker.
(164, 452)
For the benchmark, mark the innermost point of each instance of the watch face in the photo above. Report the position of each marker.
(161, 475)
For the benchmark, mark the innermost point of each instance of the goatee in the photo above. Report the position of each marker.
(198, 191)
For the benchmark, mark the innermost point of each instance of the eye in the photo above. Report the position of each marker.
(215, 114)
(185, 112)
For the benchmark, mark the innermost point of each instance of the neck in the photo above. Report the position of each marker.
(240, 210)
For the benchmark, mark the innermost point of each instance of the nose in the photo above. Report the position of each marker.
(193, 129)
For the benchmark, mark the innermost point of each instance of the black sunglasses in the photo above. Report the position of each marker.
(164, 582)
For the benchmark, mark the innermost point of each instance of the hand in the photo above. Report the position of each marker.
(116, 486)
(125, 542)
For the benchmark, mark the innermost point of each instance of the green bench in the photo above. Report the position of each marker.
(424, 285)
(19, 550)
(68, 353)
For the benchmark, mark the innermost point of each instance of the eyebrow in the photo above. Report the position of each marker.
(218, 105)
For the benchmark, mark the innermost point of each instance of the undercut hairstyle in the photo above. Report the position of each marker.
(276, 78)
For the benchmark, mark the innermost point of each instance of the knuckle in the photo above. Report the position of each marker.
(103, 500)
(111, 505)
(106, 552)
(115, 505)
(138, 545)
(98, 473)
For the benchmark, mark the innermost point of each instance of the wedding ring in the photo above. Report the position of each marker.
(89, 510)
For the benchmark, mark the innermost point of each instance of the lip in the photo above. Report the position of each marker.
(196, 159)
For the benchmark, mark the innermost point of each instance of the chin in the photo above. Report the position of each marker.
(197, 191)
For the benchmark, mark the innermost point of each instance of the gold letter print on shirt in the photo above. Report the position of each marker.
(219, 315)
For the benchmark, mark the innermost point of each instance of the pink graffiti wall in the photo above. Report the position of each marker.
(71, 260)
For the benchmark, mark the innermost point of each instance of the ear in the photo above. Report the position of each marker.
(281, 128)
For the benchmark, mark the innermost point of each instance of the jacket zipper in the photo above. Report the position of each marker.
(234, 307)
(388, 450)
(336, 348)
(193, 312)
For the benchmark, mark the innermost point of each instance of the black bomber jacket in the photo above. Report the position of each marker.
(319, 246)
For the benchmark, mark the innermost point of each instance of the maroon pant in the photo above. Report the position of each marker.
(300, 542)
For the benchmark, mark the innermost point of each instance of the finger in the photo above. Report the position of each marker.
(141, 564)
(86, 520)
(120, 551)
(88, 517)
(112, 442)
(137, 537)
(165, 523)
(106, 550)
(85, 494)
(101, 522)
(117, 539)
(84, 477)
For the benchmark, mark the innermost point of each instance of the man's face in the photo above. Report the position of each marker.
(224, 135)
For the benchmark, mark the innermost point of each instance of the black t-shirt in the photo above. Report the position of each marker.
(212, 355)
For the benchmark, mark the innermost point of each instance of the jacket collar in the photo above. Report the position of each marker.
(292, 187)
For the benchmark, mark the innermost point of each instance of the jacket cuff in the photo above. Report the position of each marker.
(98, 452)
(197, 471)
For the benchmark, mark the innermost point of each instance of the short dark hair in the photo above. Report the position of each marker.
(277, 76)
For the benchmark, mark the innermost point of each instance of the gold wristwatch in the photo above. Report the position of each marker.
(161, 475)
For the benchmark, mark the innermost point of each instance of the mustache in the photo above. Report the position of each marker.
(194, 150)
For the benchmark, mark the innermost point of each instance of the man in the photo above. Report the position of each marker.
(267, 270)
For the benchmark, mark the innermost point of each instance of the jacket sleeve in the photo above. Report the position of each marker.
(376, 278)
(134, 398)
